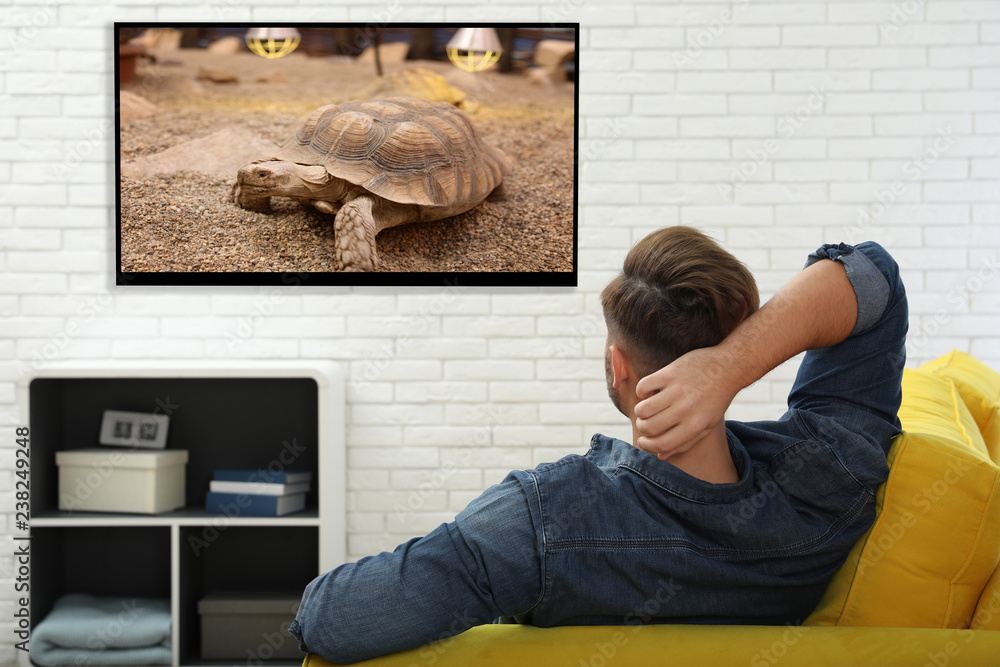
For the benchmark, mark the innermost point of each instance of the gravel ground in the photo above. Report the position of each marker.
(187, 222)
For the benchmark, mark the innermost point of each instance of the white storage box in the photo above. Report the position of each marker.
(103, 479)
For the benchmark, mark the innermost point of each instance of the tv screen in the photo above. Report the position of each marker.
(347, 154)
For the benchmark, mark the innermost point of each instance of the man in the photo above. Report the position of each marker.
(697, 520)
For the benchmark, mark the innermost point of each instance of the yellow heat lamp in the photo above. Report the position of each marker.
(474, 49)
(272, 42)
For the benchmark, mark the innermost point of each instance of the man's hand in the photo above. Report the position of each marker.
(683, 402)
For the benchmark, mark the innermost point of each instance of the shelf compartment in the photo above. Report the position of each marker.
(107, 561)
(253, 423)
(184, 517)
(241, 558)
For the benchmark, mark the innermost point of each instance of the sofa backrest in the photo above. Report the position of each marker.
(979, 386)
(930, 557)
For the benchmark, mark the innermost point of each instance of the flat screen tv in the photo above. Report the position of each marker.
(347, 154)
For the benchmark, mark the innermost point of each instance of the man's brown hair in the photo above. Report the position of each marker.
(678, 291)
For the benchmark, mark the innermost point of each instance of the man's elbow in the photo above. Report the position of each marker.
(326, 638)
(328, 629)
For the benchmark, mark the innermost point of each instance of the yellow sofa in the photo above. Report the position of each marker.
(922, 587)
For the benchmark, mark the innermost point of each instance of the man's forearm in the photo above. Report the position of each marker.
(817, 308)
(820, 307)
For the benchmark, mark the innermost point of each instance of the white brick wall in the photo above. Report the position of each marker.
(774, 126)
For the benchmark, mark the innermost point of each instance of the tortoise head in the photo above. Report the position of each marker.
(277, 177)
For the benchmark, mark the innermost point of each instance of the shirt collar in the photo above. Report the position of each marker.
(614, 455)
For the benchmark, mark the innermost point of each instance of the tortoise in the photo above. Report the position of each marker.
(418, 82)
(377, 164)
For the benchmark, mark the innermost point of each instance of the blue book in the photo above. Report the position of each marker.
(263, 476)
(242, 504)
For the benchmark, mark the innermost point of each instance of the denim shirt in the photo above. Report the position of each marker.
(617, 536)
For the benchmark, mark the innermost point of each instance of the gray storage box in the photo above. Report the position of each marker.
(244, 625)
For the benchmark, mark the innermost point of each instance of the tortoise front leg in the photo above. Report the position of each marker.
(354, 227)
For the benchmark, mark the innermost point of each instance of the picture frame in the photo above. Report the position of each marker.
(134, 429)
(178, 228)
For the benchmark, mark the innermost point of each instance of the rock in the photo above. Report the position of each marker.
(220, 154)
(132, 107)
(177, 85)
(390, 54)
(542, 76)
(159, 39)
(217, 75)
(226, 45)
(550, 56)
(275, 77)
(553, 53)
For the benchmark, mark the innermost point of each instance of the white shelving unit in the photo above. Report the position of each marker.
(227, 415)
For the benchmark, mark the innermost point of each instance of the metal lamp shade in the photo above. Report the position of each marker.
(474, 49)
(272, 42)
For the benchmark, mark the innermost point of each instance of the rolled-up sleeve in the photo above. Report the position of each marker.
(871, 284)
(856, 383)
(481, 566)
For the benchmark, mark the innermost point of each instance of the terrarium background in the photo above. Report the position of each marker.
(186, 221)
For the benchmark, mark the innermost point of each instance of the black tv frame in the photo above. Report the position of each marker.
(449, 279)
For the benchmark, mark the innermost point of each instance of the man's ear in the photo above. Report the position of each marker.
(620, 366)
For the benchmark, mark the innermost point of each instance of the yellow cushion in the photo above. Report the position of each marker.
(988, 610)
(979, 386)
(933, 405)
(936, 538)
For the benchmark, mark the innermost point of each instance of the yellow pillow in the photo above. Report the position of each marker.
(936, 537)
(979, 386)
(988, 610)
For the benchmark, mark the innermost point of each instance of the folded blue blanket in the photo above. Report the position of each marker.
(87, 630)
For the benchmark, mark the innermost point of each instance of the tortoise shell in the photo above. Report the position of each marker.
(403, 149)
